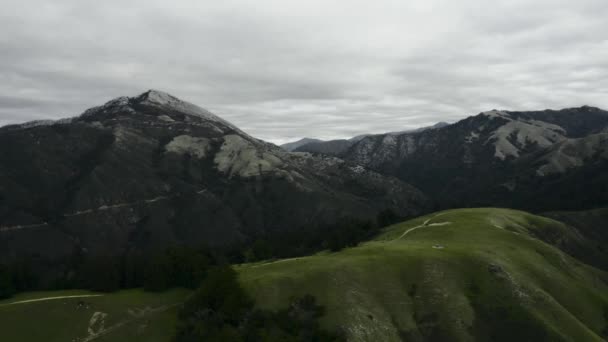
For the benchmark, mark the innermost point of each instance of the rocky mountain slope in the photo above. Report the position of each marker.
(145, 172)
(330, 147)
(544, 160)
(339, 146)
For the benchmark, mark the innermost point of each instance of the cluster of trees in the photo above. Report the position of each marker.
(17, 277)
(221, 310)
(345, 233)
(7, 288)
(173, 267)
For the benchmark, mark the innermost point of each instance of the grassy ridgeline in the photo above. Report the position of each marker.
(459, 275)
(481, 276)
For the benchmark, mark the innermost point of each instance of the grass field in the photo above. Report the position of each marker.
(459, 275)
(131, 315)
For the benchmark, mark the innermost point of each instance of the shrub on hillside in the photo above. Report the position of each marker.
(7, 288)
(221, 310)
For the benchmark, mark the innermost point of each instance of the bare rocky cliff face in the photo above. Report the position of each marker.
(142, 173)
(544, 160)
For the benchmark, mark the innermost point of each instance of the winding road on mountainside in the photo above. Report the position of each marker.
(425, 224)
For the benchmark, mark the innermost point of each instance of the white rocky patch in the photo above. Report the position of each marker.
(162, 99)
(165, 118)
(472, 137)
(389, 140)
(119, 101)
(96, 124)
(238, 156)
(185, 144)
(97, 323)
(357, 169)
(572, 153)
(512, 137)
(119, 104)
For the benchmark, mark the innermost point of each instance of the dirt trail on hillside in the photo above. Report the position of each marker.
(102, 331)
(274, 262)
(98, 209)
(49, 298)
(425, 224)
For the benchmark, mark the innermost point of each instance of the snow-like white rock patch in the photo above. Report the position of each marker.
(512, 137)
(389, 140)
(238, 156)
(119, 104)
(164, 100)
(185, 144)
(472, 137)
(165, 118)
(357, 169)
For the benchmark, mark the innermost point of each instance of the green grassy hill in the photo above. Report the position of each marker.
(458, 275)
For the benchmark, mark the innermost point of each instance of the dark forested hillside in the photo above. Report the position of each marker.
(539, 161)
(143, 173)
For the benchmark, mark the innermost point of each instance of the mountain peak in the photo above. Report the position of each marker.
(156, 102)
(587, 108)
(158, 97)
(495, 113)
(166, 101)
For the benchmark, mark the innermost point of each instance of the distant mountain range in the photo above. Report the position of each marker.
(535, 160)
(337, 146)
(539, 160)
(295, 144)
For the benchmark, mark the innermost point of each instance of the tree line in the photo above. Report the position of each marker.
(179, 266)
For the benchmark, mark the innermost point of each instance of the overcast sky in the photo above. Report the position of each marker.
(282, 69)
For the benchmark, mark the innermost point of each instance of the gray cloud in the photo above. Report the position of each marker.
(284, 70)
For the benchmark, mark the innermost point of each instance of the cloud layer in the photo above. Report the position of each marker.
(282, 70)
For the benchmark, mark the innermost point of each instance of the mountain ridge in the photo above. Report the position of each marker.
(525, 160)
(337, 146)
(141, 173)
